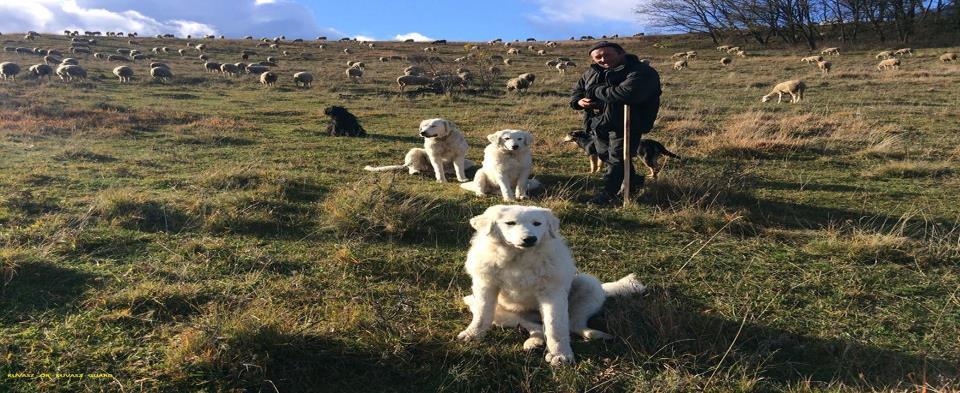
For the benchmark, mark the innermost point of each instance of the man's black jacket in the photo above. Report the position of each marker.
(633, 83)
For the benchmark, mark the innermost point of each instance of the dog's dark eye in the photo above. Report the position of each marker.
(511, 223)
(536, 223)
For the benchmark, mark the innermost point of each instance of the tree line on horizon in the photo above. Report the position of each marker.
(802, 21)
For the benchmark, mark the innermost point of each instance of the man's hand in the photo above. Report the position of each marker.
(587, 103)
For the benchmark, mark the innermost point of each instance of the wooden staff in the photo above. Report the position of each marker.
(626, 155)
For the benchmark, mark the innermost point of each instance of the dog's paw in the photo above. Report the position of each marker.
(533, 343)
(469, 334)
(558, 359)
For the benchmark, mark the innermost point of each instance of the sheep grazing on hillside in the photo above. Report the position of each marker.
(181, 52)
(69, 72)
(884, 55)
(211, 66)
(794, 88)
(51, 60)
(679, 55)
(949, 56)
(494, 71)
(893, 63)
(303, 79)
(347, 51)
(162, 73)
(680, 65)
(507, 61)
(903, 52)
(41, 70)
(811, 59)
(561, 68)
(733, 49)
(268, 78)
(383, 59)
(70, 61)
(553, 63)
(741, 53)
(723, 48)
(824, 66)
(528, 76)
(513, 51)
(541, 52)
(124, 73)
(413, 70)
(518, 84)
(354, 73)
(116, 58)
(831, 51)
(9, 70)
(254, 69)
(726, 61)
(413, 80)
(229, 69)
(200, 47)
(691, 54)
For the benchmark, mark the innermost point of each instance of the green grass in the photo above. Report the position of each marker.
(205, 235)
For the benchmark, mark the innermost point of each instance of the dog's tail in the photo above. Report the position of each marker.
(470, 186)
(624, 286)
(663, 149)
(384, 168)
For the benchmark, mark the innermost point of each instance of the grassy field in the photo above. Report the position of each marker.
(205, 235)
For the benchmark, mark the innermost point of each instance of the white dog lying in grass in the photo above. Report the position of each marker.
(522, 270)
(444, 151)
(507, 163)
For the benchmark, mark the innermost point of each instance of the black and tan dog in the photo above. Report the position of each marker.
(649, 152)
(343, 123)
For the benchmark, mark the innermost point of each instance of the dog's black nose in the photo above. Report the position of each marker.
(529, 241)
(423, 134)
(514, 147)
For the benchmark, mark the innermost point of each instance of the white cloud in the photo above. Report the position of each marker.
(233, 18)
(55, 16)
(364, 38)
(412, 35)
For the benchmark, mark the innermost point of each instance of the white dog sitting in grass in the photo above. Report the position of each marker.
(507, 163)
(444, 151)
(523, 275)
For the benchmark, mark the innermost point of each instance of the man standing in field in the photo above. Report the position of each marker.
(615, 79)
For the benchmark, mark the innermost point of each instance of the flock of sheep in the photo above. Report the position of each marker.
(69, 69)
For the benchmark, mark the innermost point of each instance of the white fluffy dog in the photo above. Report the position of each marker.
(444, 151)
(507, 163)
(523, 273)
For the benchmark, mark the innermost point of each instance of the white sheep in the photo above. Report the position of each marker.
(124, 73)
(347, 51)
(824, 66)
(181, 52)
(229, 69)
(507, 61)
(733, 49)
(726, 61)
(413, 80)
(304, 79)
(903, 52)
(794, 88)
(70, 72)
(553, 63)
(518, 84)
(200, 47)
(413, 70)
(723, 48)
(528, 76)
(41, 70)
(561, 67)
(811, 59)
(691, 54)
(679, 55)
(831, 51)
(513, 51)
(892, 63)
(354, 73)
(9, 70)
(268, 78)
(541, 52)
(162, 73)
(679, 65)
(741, 53)
(949, 56)
(884, 55)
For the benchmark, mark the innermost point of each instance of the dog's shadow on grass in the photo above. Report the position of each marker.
(666, 324)
(39, 287)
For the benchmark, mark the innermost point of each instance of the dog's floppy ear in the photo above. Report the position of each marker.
(493, 138)
(451, 128)
(553, 223)
(528, 138)
(482, 223)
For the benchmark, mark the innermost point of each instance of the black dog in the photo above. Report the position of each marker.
(343, 123)
(649, 152)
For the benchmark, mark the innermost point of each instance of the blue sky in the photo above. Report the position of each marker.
(376, 19)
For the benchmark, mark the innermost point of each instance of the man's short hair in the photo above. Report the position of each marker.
(606, 44)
